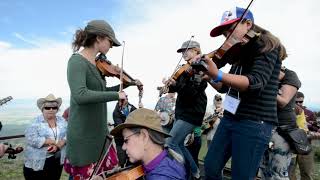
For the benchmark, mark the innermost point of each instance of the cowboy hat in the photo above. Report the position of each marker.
(49, 98)
(141, 117)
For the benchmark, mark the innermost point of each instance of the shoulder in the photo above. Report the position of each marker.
(291, 78)
(170, 168)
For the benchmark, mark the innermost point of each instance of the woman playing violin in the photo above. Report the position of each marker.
(144, 141)
(250, 103)
(190, 107)
(87, 124)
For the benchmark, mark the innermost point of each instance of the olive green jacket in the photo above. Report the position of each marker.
(87, 124)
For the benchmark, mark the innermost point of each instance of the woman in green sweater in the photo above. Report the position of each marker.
(87, 124)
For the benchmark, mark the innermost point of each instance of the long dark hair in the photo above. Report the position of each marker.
(271, 41)
(83, 39)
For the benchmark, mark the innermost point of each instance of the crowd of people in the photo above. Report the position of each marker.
(252, 124)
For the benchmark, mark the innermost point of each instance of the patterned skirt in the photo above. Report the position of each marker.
(110, 161)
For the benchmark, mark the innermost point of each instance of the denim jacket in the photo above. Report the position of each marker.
(36, 134)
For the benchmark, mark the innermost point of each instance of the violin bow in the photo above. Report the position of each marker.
(165, 89)
(121, 72)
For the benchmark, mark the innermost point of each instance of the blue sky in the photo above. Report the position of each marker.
(46, 19)
(36, 35)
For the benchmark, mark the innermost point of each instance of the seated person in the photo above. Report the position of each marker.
(144, 141)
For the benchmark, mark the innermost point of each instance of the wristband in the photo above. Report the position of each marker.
(218, 79)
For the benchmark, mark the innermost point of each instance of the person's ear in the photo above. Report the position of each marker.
(249, 24)
(145, 136)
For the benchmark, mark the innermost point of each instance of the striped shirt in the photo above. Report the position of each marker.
(258, 102)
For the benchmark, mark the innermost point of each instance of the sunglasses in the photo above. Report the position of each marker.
(300, 102)
(126, 139)
(53, 108)
(218, 99)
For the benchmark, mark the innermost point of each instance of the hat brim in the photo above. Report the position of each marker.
(118, 129)
(181, 50)
(217, 31)
(115, 42)
(41, 101)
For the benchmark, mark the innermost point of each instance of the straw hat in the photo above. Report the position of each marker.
(49, 98)
(142, 117)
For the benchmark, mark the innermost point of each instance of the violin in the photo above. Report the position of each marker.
(12, 152)
(186, 68)
(108, 69)
(230, 47)
(127, 173)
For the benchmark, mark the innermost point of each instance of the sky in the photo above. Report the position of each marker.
(36, 37)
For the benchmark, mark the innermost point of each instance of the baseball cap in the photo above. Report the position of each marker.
(192, 44)
(229, 17)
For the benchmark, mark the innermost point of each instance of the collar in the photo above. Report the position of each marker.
(155, 162)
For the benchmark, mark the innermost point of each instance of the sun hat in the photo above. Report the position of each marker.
(101, 27)
(141, 117)
(49, 98)
(229, 17)
(192, 44)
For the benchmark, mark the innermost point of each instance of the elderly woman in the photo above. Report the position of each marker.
(46, 139)
(144, 141)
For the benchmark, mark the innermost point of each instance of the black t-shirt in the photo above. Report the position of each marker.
(286, 115)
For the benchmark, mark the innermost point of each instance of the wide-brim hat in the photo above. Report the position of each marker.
(228, 18)
(101, 27)
(141, 117)
(188, 44)
(49, 98)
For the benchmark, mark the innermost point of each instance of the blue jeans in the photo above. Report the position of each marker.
(178, 133)
(245, 141)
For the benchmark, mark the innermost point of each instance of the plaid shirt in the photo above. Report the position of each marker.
(166, 104)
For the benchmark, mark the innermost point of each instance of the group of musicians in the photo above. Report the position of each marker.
(250, 105)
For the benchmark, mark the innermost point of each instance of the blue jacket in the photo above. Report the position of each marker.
(164, 167)
(35, 154)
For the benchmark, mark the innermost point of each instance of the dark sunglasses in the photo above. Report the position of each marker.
(218, 99)
(53, 108)
(299, 102)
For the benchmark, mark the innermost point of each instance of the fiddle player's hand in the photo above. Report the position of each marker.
(206, 77)
(212, 67)
(122, 95)
(138, 82)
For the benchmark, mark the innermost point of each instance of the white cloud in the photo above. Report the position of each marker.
(151, 46)
(4, 45)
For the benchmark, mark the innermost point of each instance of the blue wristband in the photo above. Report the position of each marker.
(218, 79)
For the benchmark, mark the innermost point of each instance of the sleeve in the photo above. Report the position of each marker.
(116, 116)
(261, 71)
(292, 79)
(32, 136)
(76, 74)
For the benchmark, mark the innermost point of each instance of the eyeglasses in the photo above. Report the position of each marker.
(53, 108)
(300, 102)
(126, 139)
(218, 99)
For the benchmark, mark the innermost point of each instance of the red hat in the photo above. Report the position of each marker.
(230, 17)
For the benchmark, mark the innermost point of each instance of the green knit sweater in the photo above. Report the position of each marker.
(87, 124)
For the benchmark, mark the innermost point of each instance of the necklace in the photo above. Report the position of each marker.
(55, 134)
